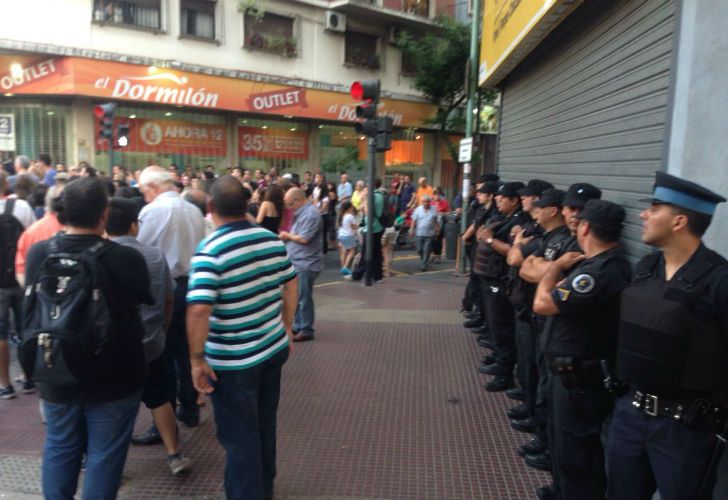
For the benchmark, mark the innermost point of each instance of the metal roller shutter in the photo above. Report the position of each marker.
(590, 105)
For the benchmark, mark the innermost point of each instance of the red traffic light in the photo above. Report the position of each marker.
(365, 90)
(102, 110)
(357, 91)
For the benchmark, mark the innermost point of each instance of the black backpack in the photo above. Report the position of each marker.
(10, 231)
(387, 218)
(68, 339)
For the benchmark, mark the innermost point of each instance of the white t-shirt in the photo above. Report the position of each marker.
(21, 211)
(346, 222)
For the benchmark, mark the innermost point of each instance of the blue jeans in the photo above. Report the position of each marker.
(102, 431)
(424, 250)
(305, 314)
(246, 404)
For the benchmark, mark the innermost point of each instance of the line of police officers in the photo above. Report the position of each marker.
(604, 354)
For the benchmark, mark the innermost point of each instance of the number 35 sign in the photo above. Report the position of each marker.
(272, 143)
(7, 133)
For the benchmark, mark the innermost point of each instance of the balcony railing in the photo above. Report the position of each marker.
(416, 7)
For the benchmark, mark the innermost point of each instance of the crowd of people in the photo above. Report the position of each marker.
(620, 373)
(166, 286)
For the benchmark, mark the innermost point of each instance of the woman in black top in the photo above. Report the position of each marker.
(333, 202)
(271, 209)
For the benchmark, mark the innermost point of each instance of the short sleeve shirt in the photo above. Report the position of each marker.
(554, 244)
(588, 302)
(239, 270)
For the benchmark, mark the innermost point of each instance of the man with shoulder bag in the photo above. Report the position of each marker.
(82, 344)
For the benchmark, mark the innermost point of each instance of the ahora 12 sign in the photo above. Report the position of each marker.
(175, 137)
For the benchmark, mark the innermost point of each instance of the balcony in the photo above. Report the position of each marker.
(410, 14)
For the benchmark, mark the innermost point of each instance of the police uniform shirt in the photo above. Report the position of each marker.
(554, 244)
(588, 302)
(572, 245)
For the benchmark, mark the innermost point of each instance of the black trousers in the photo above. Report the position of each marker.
(377, 259)
(177, 353)
(576, 418)
(501, 322)
(472, 297)
(526, 369)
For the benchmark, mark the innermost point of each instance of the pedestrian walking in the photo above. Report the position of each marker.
(91, 394)
(175, 227)
(241, 302)
(347, 237)
(424, 228)
(122, 227)
(303, 243)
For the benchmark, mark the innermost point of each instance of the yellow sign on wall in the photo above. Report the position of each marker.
(506, 23)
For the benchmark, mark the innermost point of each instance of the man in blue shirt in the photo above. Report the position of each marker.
(424, 226)
(306, 255)
(344, 190)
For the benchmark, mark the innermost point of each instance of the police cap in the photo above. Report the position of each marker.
(578, 194)
(488, 178)
(604, 214)
(535, 187)
(510, 189)
(550, 198)
(490, 187)
(685, 194)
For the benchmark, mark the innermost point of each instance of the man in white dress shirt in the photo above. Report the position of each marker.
(176, 227)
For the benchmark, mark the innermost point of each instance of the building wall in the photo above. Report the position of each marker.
(69, 23)
(698, 148)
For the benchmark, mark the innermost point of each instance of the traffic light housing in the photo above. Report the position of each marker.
(367, 91)
(384, 133)
(122, 135)
(105, 114)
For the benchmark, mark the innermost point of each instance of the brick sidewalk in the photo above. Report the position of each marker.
(385, 403)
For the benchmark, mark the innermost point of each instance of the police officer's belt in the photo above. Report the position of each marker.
(656, 406)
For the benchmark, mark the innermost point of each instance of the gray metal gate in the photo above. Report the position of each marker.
(590, 105)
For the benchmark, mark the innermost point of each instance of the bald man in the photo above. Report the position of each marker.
(303, 243)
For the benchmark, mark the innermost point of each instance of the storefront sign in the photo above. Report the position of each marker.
(112, 80)
(17, 74)
(7, 133)
(507, 24)
(272, 143)
(171, 136)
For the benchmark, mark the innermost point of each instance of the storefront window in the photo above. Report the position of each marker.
(339, 148)
(263, 144)
(38, 128)
(158, 137)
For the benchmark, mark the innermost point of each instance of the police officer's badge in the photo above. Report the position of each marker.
(584, 283)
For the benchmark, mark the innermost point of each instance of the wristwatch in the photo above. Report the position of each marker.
(489, 241)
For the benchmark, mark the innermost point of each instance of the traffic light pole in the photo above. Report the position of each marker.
(111, 157)
(371, 208)
(472, 84)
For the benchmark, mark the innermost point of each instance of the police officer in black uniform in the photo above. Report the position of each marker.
(673, 354)
(561, 240)
(525, 241)
(479, 212)
(549, 247)
(494, 241)
(581, 292)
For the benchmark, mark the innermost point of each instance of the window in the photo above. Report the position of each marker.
(417, 7)
(362, 50)
(270, 33)
(139, 13)
(408, 64)
(198, 18)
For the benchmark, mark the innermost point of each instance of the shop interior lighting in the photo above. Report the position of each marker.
(8, 94)
(362, 138)
(245, 121)
(16, 70)
(288, 116)
(51, 113)
(293, 129)
(264, 127)
(341, 133)
(418, 137)
(321, 126)
(152, 69)
(168, 113)
(132, 116)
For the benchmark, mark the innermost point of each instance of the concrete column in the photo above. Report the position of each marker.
(698, 149)
(83, 145)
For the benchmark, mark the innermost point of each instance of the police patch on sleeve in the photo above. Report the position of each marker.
(563, 294)
(584, 283)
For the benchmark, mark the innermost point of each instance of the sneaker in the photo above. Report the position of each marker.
(28, 387)
(7, 392)
(345, 271)
(177, 463)
(348, 277)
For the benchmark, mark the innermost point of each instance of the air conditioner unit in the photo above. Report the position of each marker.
(394, 33)
(335, 21)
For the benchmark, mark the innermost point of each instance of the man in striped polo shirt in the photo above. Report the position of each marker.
(240, 306)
